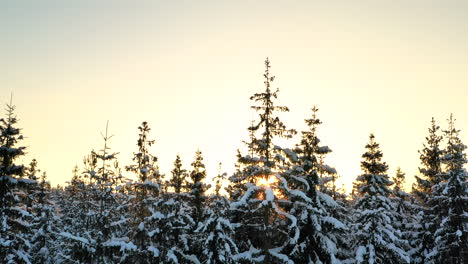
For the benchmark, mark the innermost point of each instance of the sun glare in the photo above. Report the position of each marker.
(271, 182)
(266, 181)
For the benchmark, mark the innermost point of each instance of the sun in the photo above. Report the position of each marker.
(267, 181)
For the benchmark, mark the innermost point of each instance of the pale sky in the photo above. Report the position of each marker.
(189, 67)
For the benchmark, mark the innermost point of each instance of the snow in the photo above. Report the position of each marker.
(172, 256)
(157, 215)
(154, 250)
(327, 199)
(269, 195)
(72, 237)
(336, 223)
(282, 257)
(22, 255)
(250, 191)
(361, 250)
(124, 246)
(249, 255)
(300, 194)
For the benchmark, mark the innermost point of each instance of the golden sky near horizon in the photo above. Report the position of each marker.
(188, 68)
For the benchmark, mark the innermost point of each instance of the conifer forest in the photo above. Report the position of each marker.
(280, 205)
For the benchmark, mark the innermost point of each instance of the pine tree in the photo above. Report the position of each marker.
(376, 239)
(319, 230)
(198, 187)
(14, 217)
(430, 157)
(451, 201)
(430, 171)
(219, 180)
(171, 225)
(263, 227)
(179, 175)
(98, 235)
(407, 220)
(217, 233)
(172, 230)
(43, 248)
(148, 189)
(145, 167)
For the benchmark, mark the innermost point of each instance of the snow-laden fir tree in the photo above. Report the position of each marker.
(430, 171)
(98, 234)
(147, 189)
(262, 226)
(197, 187)
(145, 167)
(320, 232)
(15, 220)
(43, 248)
(178, 180)
(217, 232)
(176, 216)
(451, 201)
(32, 173)
(172, 229)
(406, 217)
(197, 203)
(73, 204)
(376, 240)
(430, 157)
(219, 181)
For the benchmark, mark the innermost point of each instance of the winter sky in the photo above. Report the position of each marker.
(189, 68)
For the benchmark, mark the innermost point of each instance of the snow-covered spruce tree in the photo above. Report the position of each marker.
(43, 248)
(101, 236)
(217, 232)
(376, 239)
(219, 181)
(406, 217)
(430, 157)
(320, 233)
(262, 226)
(198, 188)
(173, 229)
(172, 221)
(32, 173)
(147, 188)
(178, 180)
(15, 220)
(197, 203)
(451, 200)
(430, 170)
(73, 225)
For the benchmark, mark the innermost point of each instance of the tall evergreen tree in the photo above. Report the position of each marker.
(99, 235)
(217, 233)
(430, 170)
(43, 246)
(148, 188)
(451, 201)
(319, 231)
(406, 218)
(430, 157)
(376, 239)
(145, 168)
(198, 187)
(178, 181)
(219, 180)
(263, 227)
(15, 219)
